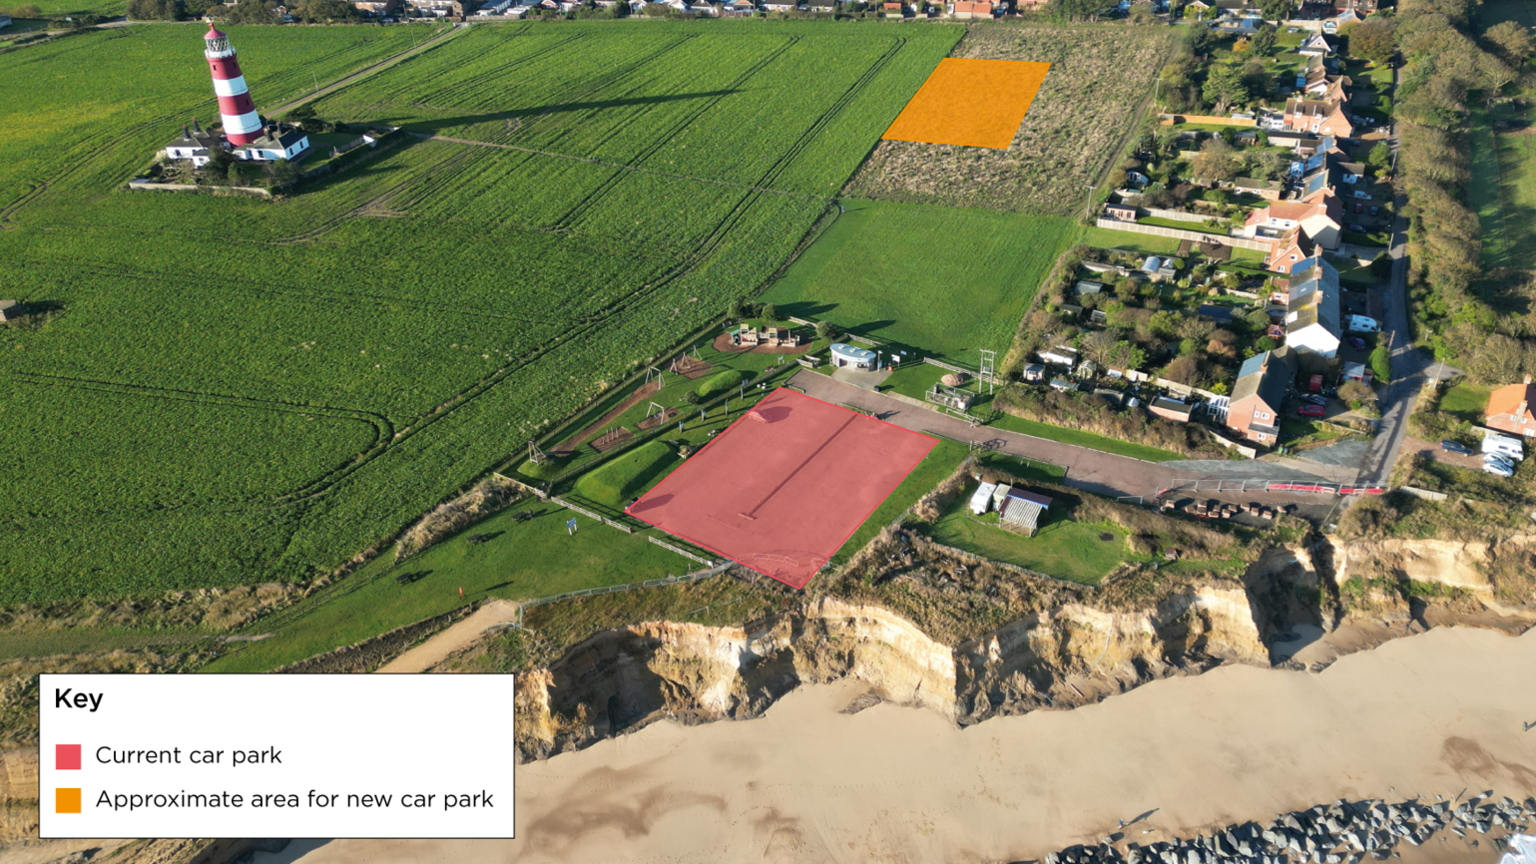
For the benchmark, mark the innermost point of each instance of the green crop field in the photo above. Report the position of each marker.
(251, 390)
(944, 279)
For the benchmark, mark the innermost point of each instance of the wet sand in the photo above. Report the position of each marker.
(1428, 714)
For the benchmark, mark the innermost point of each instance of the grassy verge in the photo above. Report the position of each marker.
(1466, 401)
(516, 560)
(1084, 439)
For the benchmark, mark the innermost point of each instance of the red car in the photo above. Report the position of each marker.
(1309, 411)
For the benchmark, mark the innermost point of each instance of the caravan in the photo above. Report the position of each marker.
(1503, 445)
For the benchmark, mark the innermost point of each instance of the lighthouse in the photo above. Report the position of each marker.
(242, 125)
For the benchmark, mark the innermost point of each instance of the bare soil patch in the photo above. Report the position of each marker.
(690, 368)
(611, 439)
(569, 445)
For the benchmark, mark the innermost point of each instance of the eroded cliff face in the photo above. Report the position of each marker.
(1070, 654)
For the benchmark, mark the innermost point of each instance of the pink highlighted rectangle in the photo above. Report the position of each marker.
(786, 485)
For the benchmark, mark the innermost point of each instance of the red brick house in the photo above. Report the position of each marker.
(1509, 409)
(1262, 383)
(1319, 117)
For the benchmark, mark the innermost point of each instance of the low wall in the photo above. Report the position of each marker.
(1426, 494)
(1175, 215)
(192, 187)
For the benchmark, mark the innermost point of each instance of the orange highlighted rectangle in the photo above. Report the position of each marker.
(973, 103)
(66, 800)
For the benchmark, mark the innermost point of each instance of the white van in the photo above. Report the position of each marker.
(1503, 445)
(1362, 324)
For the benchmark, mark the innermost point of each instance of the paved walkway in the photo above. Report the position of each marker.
(1091, 470)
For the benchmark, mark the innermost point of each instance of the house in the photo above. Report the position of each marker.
(195, 145)
(1269, 190)
(1198, 8)
(493, 7)
(1123, 212)
(1322, 221)
(1289, 253)
(1312, 321)
(1022, 510)
(376, 8)
(1348, 172)
(891, 8)
(1316, 45)
(780, 7)
(10, 310)
(277, 142)
(824, 7)
(1314, 115)
(737, 8)
(1509, 409)
(1171, 409)
(969, 9)
(1034, 372)
(1262, 383)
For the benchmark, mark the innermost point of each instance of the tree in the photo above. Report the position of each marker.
(1216, 162)
(326, 12)
(1356, 393)
(770, 313)
(1098, 346)
(1223, 88)
(737, 310)
(154, 10)
(1511, 42)
(1381, 268)
(826, 331)
(252, 12)
(1257, 321)
(1141, 13)
(1374, 39)
(1126, 355)
(1380, 157)
(1276, 10)
(1263, 42)
(1185, 370)
(1381, 364)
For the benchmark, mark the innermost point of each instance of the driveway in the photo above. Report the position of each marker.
(1087, 469)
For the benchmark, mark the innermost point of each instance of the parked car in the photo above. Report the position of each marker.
(1309, 410)
(1500, 461)
(1375, 209)
(1357, 343)
(1497, 470)
(1361, 194)
(1456, 447)
(1359, 208)
(1314, 399)
(1357, 228)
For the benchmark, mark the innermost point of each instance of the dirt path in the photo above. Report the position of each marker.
(570, 444)
(461, 635)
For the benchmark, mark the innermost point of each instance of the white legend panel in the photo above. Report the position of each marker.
(297, 756)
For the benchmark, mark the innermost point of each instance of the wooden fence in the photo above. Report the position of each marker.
(1181, 234)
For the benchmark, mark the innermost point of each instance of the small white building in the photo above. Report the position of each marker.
(277, 142)
(851, 357)
(194, 145)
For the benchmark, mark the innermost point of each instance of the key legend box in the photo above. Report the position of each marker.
(299, 756)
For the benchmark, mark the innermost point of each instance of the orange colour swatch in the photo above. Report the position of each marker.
(66, 800)
(973, 103)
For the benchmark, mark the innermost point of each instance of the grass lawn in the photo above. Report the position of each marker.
(1147, 244)
(1466, 401)
(1063, 547)
(945, 279)
(1377, 240)
(535, 558)
(1503, 188)
(1083, 439)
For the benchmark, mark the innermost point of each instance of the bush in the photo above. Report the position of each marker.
(719, 383)
(1381, 364)
(622, 478)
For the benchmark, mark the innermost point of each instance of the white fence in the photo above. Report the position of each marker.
(683, 552)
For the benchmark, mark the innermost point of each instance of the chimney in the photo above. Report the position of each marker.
(195, 127)
(185, 136)
(1520, 412)
(1527, 379)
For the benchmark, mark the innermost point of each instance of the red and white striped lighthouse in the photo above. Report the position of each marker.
(241, 123)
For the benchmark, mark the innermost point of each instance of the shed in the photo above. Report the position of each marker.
(981, 501)
(10, 310)
(1357, 372)
(1086, 287)
(1061, 355)
(999, 493)
(1065, 385)
(1071, 310)
(1034, 372)
(1171, 409)
(1023, 510)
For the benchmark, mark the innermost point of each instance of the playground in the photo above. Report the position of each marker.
(784, 487)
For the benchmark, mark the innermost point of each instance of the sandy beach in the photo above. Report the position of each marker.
(1429, 714)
